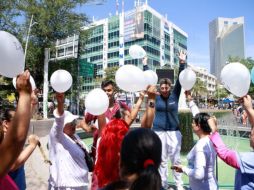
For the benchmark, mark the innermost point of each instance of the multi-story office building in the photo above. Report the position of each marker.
(207, 78)
(226, 36)
(65, 48)
(110, 39)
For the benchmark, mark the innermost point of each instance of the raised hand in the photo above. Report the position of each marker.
(151, 91)
(182, 56)
(60, 97)
(212, 122)
(144, 60)
(247, 102)
(60, 103)
(23, 84)
(188, 95)
(177, 168)
(141, 95)
(33, 140)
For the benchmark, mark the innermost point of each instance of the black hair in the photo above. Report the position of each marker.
(165, 81)
(107, 83)
(201, 119)
(138, 146)
(6, 115)
(117, 185)
(1, 133)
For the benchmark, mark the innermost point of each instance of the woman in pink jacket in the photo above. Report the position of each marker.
(242, 162)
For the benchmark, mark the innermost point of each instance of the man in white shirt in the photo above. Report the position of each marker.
(69, 169)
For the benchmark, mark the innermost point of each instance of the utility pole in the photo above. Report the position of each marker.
(45, 83)
(28, 34)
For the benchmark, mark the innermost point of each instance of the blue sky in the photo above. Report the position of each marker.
(192, 16)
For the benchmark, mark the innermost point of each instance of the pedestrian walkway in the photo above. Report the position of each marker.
(37, 172)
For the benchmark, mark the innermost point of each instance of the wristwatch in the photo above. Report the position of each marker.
(151, 104)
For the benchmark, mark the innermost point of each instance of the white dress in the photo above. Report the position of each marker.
(201, 161)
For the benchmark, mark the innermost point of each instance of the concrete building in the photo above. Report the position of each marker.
(110, 39)
(65, 48)
(226, 36)
(209, 79)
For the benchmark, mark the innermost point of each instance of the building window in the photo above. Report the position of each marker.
(114, 64)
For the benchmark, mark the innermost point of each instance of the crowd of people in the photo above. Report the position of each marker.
(124, 158)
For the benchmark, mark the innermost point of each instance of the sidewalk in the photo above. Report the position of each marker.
(37, 172)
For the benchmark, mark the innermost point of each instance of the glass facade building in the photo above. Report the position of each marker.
(110, 39)
(226, 36)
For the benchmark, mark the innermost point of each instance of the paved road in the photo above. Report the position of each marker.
(37, 172)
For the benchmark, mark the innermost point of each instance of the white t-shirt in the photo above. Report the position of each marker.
(201, 161)
(68, 167)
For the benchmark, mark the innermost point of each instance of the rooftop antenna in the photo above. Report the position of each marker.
(122, 6)
(117, 4)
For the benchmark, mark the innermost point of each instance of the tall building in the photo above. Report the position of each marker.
(226, 36)
(110, 39)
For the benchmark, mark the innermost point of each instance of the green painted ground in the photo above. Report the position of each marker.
(226, 174)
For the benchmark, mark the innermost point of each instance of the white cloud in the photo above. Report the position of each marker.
(249, 51)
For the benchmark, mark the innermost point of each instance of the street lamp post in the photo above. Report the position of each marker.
(28, 34)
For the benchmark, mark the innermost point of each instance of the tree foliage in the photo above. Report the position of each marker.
(8, 15)
(52, 20)
(220, 93)
(199, 89)
(110, 73)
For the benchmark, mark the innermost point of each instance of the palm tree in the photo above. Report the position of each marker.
(199, 89)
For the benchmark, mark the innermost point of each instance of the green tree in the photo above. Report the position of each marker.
(110, 73)
(54, 20)
(199, 89)
(8, 15)
(220, 93)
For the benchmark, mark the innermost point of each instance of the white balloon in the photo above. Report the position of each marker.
(61, 80)
(137, 52)
(151, 77)
(130, 78)
(11, 55)
(187, 78)
(97, 102)
(31, 79)
(235, 77)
